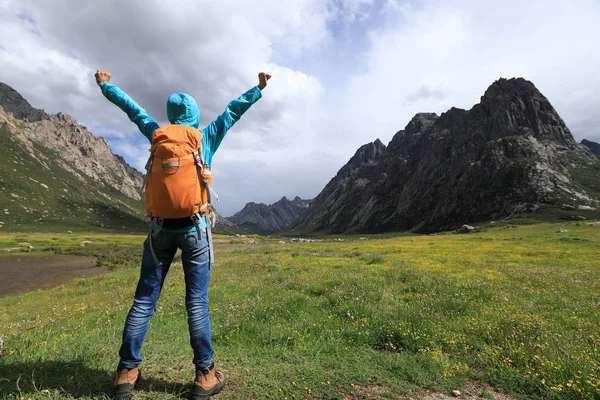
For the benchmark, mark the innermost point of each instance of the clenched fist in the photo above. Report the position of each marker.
(263, 77)
(102, 76)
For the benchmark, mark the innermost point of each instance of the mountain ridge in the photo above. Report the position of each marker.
(593, 146)
(509, 153)
(267, 219)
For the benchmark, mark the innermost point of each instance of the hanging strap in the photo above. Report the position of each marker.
(198, 159)
(211, 191)
(156, 225)
(198, 224)
(148, 168)
(204, 170)
(210, 241)
(197, 219)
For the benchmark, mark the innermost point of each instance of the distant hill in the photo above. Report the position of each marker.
(593, 146)
(509, 155)
(267, 219)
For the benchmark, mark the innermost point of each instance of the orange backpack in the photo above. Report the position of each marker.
(177, 179)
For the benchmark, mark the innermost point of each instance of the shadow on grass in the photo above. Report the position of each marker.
(74, 379)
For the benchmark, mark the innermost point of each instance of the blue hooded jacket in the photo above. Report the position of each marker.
(182, 109)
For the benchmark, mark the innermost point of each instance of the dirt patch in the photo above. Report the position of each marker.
(597, 223)
(374, 392)
(22, 273)
(472, 391)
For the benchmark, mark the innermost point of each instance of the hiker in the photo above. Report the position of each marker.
(178, 195)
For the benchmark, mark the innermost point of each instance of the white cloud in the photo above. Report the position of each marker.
(48, 74)
(450, 52)
(351, 10)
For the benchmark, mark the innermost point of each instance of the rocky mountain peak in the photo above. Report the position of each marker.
(593, 146)
(510, 153)
(503, 88)
(67, 118)
(420, 122)
(284, 201)
(265, 219)
(12, 101)
(369, 153)
(516, 106)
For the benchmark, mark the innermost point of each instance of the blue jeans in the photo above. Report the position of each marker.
(196, 268)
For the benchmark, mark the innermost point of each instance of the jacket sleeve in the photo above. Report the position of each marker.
(214, 133)
(146, 124)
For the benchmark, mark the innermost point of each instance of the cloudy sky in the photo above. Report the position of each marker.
(345, 72)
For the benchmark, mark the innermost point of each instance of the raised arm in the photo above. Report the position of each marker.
(136, 114)
(214, 133)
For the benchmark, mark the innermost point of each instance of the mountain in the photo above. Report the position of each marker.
(593, 146)
(266, 219)
(225, 226)
(510, 154)
(58, 176)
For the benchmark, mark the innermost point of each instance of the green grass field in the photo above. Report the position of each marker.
(514, 306)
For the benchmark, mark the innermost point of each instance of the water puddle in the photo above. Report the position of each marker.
(22, 273)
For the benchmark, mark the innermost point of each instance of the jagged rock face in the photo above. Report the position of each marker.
(341, 200)
(262, 218)
(83, 153)
(511, 151)
(593, 146)
(12, 102)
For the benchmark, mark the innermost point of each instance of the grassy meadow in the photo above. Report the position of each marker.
(514, 306)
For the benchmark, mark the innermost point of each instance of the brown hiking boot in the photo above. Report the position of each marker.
(125, 382)
(207, 384)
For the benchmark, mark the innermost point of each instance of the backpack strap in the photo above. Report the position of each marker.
(148, 168)
(204, 171)
(210, 241)
(155, 226)
(211, 191)
(197, 219)
(198, 158)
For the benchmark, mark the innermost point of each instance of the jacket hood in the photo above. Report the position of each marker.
(182, 109)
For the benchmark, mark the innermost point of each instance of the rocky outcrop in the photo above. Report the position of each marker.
(12, 102)
(511, 152)
(593, 146)
(265, 219)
